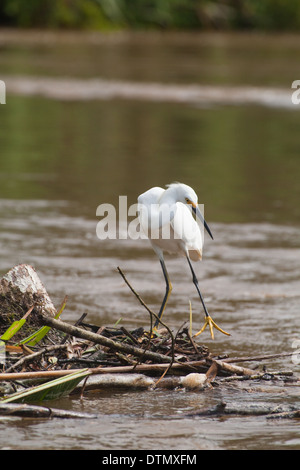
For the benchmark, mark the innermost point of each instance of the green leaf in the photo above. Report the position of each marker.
(117, 322)
(50, 390)
(43, 331)
(15, 326)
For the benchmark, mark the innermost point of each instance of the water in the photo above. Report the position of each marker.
(61, 159)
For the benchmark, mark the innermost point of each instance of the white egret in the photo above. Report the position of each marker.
(166, 218)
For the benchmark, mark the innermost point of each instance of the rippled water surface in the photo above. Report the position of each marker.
(61, 158)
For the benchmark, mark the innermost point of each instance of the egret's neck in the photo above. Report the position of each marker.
(169, 196)
(166, 208)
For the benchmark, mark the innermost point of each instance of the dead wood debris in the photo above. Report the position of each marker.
(271, 411)
(117, 357)
(119, 351)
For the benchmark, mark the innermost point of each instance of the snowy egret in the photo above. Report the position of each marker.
(166, 218)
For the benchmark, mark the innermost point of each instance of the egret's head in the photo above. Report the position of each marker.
(184, 194)
(187, 195)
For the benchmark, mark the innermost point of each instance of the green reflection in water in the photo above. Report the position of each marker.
(243, 161)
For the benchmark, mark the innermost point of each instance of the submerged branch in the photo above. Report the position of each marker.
(270, 410)
(34, 411)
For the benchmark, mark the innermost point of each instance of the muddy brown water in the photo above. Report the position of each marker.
(61, 159)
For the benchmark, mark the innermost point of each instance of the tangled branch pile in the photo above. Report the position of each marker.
(110, 356)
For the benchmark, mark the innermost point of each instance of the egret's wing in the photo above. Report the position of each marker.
(151, 196)
(186, 229)
(148, 209)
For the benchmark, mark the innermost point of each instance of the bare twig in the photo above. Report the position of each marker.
(149, 310)
(130, 336)
(193, 343)
(257, 358)
(35, 355)
(152, 314)
(173, 352)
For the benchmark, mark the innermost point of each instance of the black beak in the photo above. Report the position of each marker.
(201, 218)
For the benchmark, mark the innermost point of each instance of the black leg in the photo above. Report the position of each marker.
(195, 281)
(168, 292)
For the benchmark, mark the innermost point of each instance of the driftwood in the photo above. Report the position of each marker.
(149, 369)
(249, 409)
(22, 292)
(222, 409)
(23, 288)
(34, 411)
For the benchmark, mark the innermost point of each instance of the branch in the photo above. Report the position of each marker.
(100, 339)
(233, 369)
(35, 411)
(152, 314)
(192, 366)
(257, 358)
(34, 355)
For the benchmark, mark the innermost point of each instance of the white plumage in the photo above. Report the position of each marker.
(168, 221)
(166, 217)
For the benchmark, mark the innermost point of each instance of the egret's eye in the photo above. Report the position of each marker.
(188, 201)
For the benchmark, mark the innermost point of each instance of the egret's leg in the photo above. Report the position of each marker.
(168, 292)
(208, 320)
(195, 281)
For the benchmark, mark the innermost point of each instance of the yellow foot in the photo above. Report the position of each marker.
(209, 321)
(154, 333)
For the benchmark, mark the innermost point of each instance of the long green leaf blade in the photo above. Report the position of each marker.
(38, 335)
(50, 390)
(12, 330)
(15, 327)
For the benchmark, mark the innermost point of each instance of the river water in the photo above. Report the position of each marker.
(125, 112)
